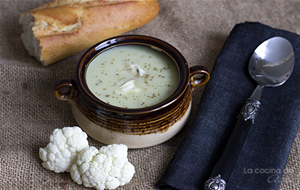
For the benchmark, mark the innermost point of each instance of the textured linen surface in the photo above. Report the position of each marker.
(30, 112)
(262, 159)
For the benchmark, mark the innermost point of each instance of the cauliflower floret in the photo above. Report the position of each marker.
(107, 168)
(65, 144)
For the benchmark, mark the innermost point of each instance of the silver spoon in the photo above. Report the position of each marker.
(270, 65)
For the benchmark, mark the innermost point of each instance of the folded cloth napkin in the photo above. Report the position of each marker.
(262, 160)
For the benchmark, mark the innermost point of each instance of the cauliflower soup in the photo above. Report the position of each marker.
(132, 76)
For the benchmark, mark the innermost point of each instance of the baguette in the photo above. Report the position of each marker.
(62, 28)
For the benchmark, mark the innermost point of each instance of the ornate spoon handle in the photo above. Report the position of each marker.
(226, 162)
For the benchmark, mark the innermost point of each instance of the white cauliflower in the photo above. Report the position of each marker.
(107, 168)
(65, 144)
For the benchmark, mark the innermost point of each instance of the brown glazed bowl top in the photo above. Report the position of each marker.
(95, 103)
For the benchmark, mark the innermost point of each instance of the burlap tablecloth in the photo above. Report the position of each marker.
(30, 112)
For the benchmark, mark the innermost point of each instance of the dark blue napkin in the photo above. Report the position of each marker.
(262, 160)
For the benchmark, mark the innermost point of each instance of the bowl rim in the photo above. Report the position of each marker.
(171, 51)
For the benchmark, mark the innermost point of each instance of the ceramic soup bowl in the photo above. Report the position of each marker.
(133, 90)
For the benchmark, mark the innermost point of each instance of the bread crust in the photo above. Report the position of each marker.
(65, 27)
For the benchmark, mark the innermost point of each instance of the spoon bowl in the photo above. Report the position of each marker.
(272, 62)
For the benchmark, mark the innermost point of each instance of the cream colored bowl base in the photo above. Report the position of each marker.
(132, 141)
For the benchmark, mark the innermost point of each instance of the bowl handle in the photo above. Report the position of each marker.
(64, 89)
(202, 79)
